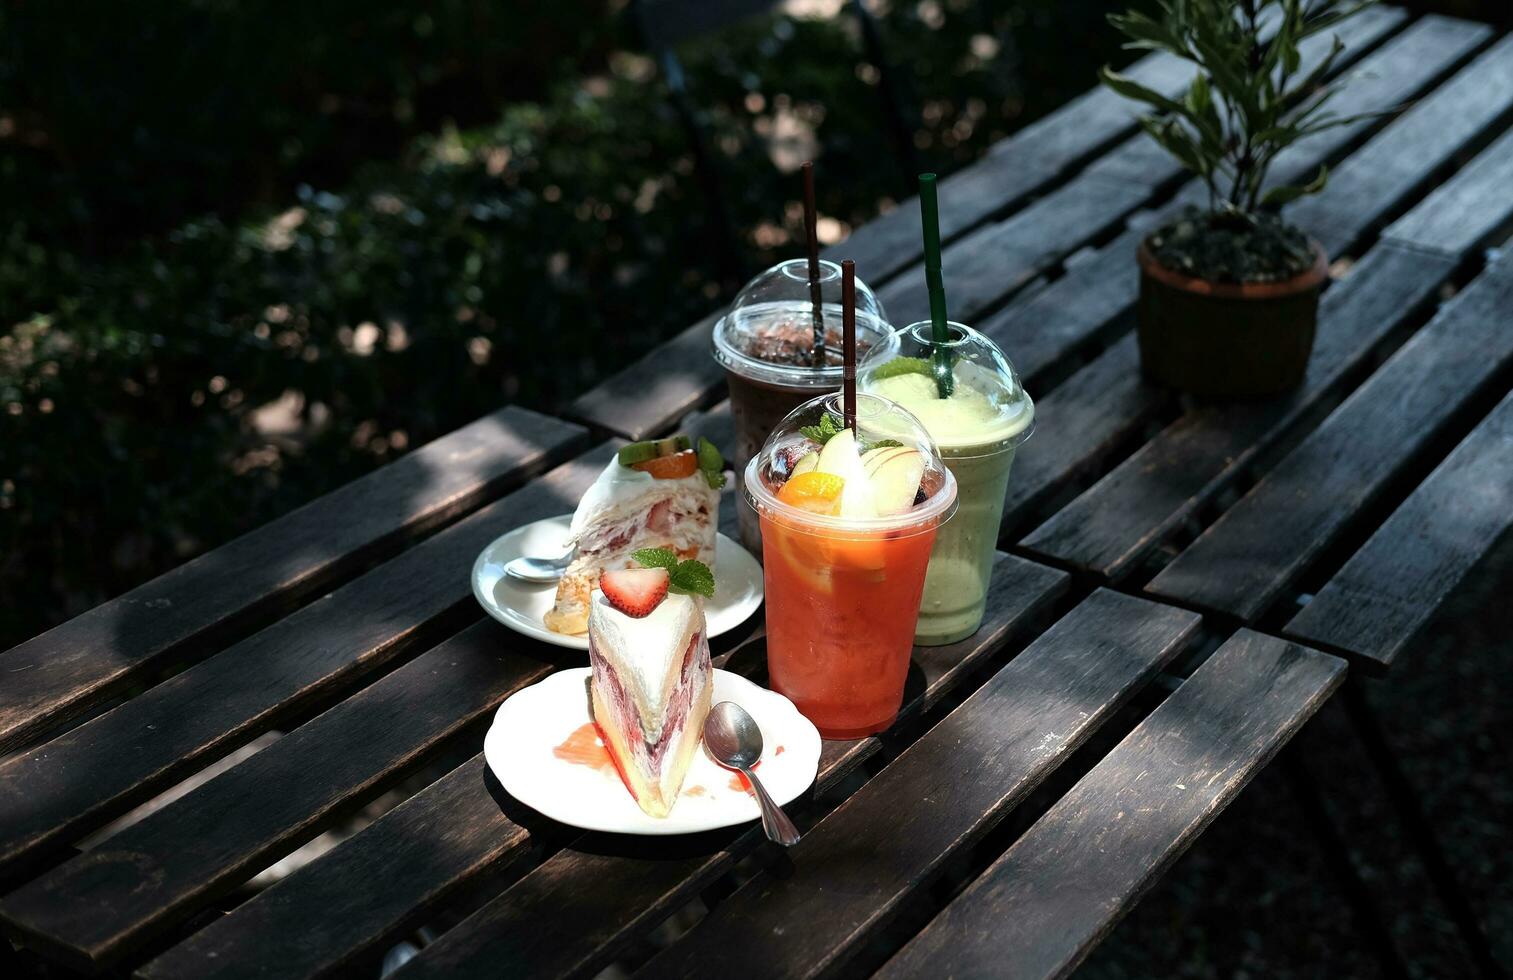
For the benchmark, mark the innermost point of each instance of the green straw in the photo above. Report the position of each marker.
(929, 214)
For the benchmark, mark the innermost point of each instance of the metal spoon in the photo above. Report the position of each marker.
(529, 569)
(734, 741)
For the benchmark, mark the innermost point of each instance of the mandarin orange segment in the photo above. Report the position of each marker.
(674, 467)
(818, 493)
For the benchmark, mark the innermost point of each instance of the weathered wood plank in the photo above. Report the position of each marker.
(1050, 898)
(78, 663)
(1242, 563)
(110, 899)
(854, 868)
(571, 913)
(98, 770)
(998, 259)
(1376, 605)
(646, 398)
(1112, 527)
(1398, 164)
(368, 891)
(341, 920)
(1471, 210)
(1088, 306)
(1078, 427)
(686, 377)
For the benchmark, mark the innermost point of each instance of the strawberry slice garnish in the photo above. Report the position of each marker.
(674, 467)
(635, 591)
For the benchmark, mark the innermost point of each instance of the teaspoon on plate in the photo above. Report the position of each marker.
(529, 569)
(735, 741)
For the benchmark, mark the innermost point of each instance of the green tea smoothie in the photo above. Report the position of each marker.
(977, 427)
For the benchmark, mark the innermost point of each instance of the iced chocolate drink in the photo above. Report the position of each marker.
(766, 345)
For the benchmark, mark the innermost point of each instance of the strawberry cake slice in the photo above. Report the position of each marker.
(662, 493)
(652, 681)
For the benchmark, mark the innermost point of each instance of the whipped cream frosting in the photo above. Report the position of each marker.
(620, 485)
(646, 652)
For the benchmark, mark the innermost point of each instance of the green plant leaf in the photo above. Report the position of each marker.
(1176, 141)
(1131, 89)
(1149, 34)
(1315, 78)
(1200, 105)
(1324, 16)
(1278, 196)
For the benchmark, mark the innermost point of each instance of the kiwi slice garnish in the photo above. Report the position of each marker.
(640, 452)
(672, 445)
(637, 452)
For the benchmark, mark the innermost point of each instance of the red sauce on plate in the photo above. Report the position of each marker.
(587, 746)
(739, 783)
(584, 747)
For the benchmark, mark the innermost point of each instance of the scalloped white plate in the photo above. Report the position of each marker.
(534, 722)
(520, 605)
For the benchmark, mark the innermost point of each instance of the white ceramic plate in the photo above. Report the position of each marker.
(536, 721)
(520, 605)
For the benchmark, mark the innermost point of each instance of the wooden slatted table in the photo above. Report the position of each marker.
(1180, 588)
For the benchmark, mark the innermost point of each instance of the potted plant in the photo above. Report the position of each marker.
(1229, 293)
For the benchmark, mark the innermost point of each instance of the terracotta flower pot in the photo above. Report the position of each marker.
(1227, 340)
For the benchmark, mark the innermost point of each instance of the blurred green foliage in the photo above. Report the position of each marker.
(198, 337)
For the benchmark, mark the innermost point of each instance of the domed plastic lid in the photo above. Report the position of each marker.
(986, 410)
(768, 333)
(883, 475)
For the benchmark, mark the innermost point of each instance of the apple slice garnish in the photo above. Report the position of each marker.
(841, 458)
(894, 473)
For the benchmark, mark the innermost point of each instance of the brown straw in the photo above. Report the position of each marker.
(810, 233)
(848, 342)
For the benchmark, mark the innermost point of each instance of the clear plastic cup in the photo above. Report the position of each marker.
(765, 343)
(843, 592)
(977, 430)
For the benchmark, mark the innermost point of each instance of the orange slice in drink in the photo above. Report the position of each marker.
(807, 557)
(818, 493)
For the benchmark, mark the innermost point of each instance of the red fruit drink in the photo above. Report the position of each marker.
(842, 591)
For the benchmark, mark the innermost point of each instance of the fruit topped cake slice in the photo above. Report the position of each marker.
(662, 493)
(652, 678)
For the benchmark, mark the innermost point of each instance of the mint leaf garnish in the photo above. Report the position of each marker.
(711, 464)
(656, 558)
(880, 444)
(828, 426)
(688, 576)
(901, 365)
(691, 577)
